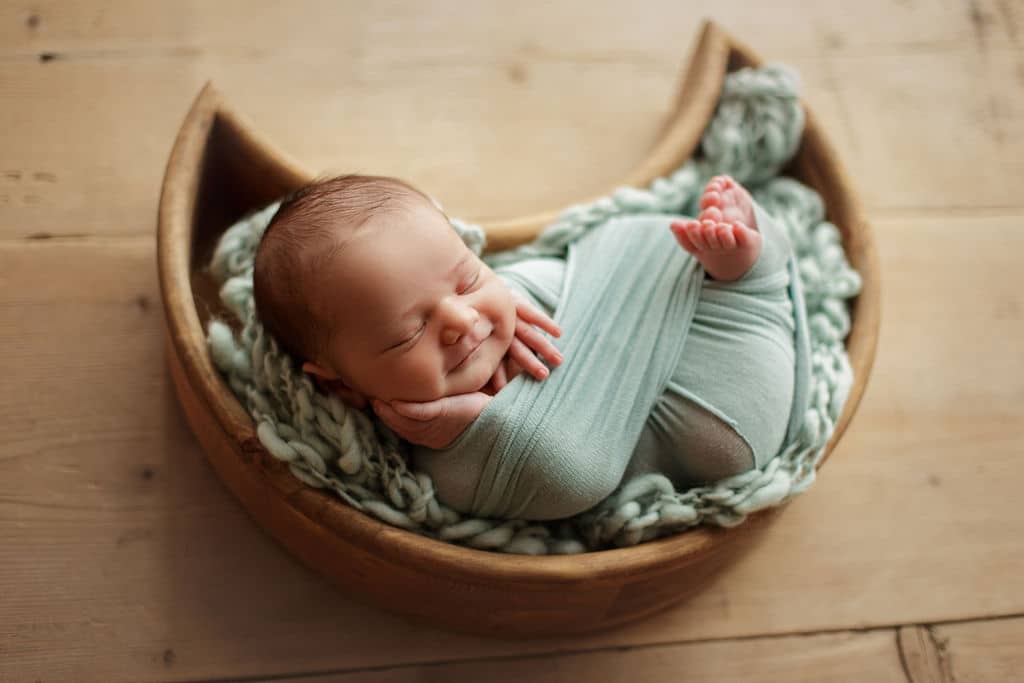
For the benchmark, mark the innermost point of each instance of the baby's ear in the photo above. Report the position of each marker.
(332, 383)
(317, 371)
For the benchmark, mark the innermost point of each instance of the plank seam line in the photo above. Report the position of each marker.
(499, 60)
(879, 215)
(881, 212)
(894, 628)
(75, 238)
(899, 50)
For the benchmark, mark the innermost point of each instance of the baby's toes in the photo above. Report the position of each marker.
(725, 182)
(696, 234)
(712, 213)
(739, 235)
(726, 239)
(720, 183)
(715, 183)
(683, 231)
(709, 231)
(711, 198)
(742, 234)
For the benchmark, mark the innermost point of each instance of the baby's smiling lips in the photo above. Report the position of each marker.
(470, 353)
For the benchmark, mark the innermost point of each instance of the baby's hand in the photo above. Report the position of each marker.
(527, 342)
(433, 424)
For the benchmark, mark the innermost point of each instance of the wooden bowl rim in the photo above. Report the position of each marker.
(696, 101)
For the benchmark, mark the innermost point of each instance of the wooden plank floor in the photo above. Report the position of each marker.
(123, 558)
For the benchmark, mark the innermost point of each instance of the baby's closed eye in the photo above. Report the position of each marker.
(471, 285)
(406, 339)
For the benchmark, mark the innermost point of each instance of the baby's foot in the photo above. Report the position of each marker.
(724, 238)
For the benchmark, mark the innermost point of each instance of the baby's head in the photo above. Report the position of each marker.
(364, 280)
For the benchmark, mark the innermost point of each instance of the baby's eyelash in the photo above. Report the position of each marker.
(472, 282)
(415, 334)
(407, 340)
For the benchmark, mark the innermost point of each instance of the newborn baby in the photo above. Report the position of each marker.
(364, 279)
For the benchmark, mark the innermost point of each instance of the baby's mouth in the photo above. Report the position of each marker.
(471, 352)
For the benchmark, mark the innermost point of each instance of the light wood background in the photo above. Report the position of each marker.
(123, 558)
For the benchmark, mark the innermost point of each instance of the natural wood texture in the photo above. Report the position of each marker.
(478, 103)
(122, 558)
(923, 660)
(694, 105)
(455, 32)
(821, 658)
(982, 652)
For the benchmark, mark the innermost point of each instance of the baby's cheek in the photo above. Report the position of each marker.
(429, 378)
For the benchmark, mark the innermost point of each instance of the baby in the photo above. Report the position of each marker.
(364, 279)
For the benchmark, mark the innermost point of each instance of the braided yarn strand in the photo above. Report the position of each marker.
(328, 445)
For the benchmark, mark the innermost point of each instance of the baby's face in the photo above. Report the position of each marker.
(422, 316)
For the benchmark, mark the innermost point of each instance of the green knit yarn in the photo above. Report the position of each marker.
(755, 131)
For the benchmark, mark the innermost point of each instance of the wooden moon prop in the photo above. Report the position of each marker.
(220, 169)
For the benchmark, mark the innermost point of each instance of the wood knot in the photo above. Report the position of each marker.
(516, 73)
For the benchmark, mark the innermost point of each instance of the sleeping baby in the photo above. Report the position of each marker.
(364, 279)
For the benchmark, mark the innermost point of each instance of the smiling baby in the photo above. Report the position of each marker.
(365, 281)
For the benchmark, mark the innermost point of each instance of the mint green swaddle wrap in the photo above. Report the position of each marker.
(554, 448)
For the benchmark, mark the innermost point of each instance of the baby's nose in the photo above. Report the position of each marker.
(460, 321)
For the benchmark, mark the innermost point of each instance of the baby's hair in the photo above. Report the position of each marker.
(310, 228)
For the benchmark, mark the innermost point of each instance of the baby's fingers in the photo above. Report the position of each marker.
(533, 339)
(529, 362)
(533, 315)
(403, 426)
(416, 411)
(500, 378)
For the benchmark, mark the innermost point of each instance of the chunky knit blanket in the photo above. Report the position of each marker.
(755, 131)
